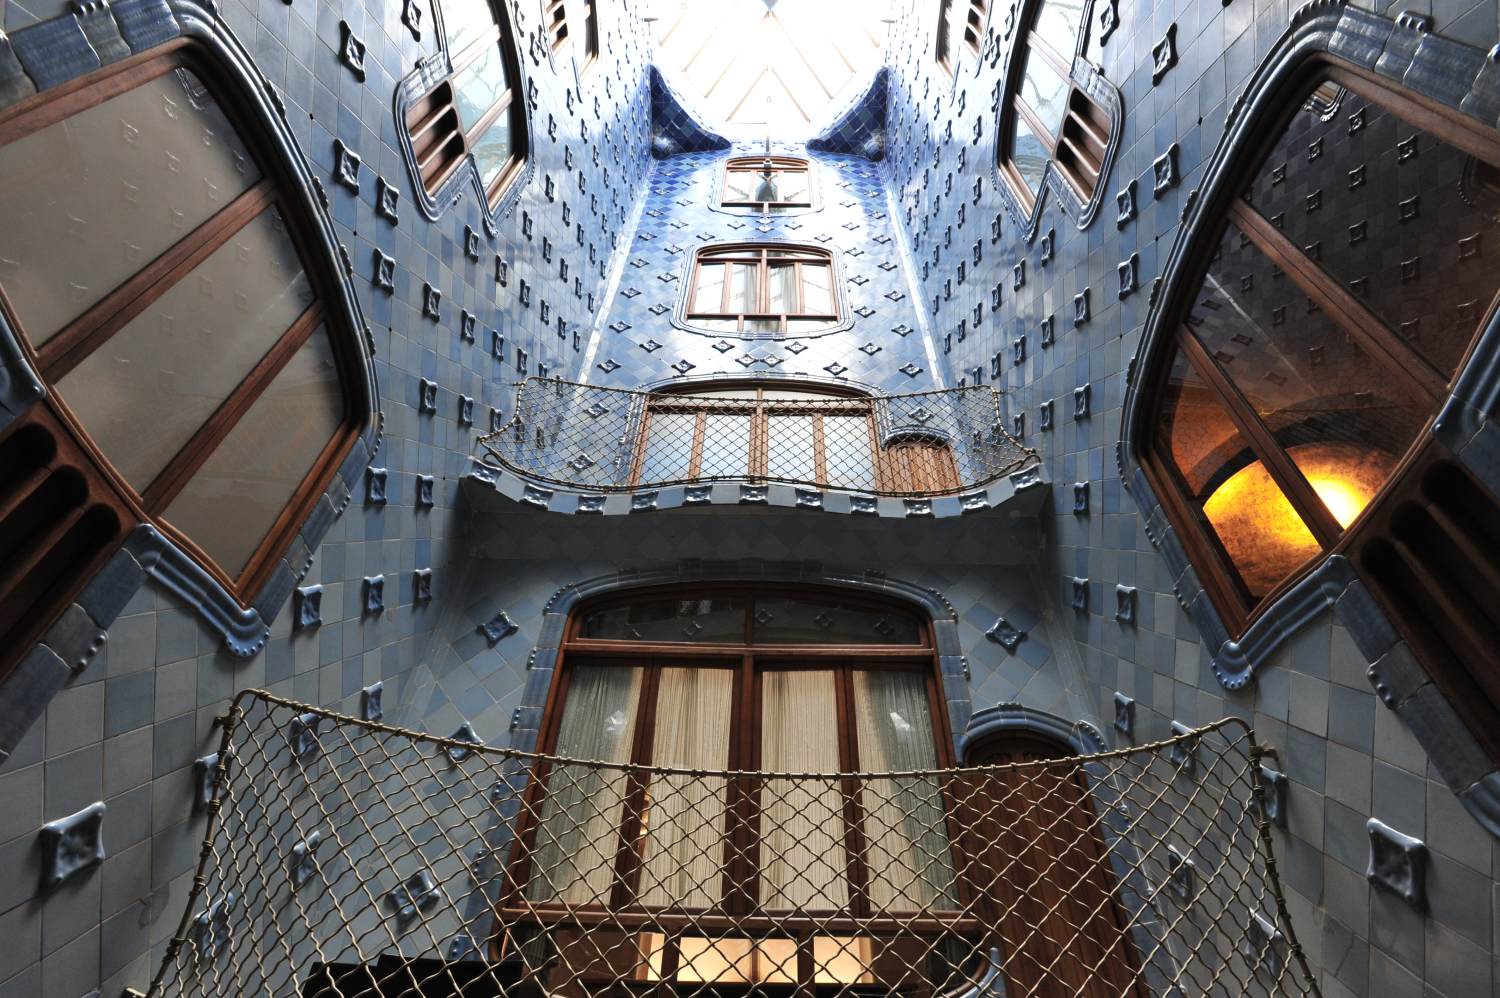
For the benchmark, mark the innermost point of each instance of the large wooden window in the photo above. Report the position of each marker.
(754, 680)
(1347, 283)
(961, 26)
(476, 110)
(1046, 117)
(766, 183)
(160, 282)
(766, 288)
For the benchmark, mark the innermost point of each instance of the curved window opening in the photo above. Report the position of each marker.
(206, 324)
(1347, 284)
(476, 110)
(582, 30)
(961, 25)
(766, 289)
(767, 184)
(1046, 116)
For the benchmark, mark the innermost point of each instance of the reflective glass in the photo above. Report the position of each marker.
(93, 199)
(744, 283)
(851, 463)
(1058, 23)
(1028, 153)
(708, 295)
(789, 451)
(781, 286)
(464, 21)
(817, 290)
(829, 620)
(1044, 91)
(726, 446)
(494, 150)
(479, 86)
(713, 620)
(669, 448)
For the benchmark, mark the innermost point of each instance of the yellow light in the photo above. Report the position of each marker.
(1344, 498)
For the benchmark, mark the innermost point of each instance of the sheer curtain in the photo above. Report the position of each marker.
(684, 847)
(803, 863)
(579, 832)
(910, 858)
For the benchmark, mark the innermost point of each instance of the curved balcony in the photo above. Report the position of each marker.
(592, 439)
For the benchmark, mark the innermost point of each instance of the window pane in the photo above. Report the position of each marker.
(792, 186)
(739, 185)
(743, 281)
(1308, 380)
(1229, 490)
(726, 447)
(1058, 23)
(581, 814)
(716, 619)
(817, 620)
(478, 87)
(708, 296)
(782, 287)
(93, 199)
(910, 858)
(1405, 221)
(1044, 91)
(494, 150)
(817, 289)
(804, 326)
(684, 844)
(669, 448)
(174, 364)
(236, 496)
(1028, 153)
(464, 21)
(790, 448)
(802, 856)
(762, 325)
(851, 464)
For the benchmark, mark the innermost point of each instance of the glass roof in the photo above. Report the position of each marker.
(768, 68)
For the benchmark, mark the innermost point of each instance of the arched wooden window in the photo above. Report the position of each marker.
(1349, 281)
(476, 109)
(171, 299)
(765, 288)
(1046, 116)
(720, 679)
(961, 26)
(767, 183)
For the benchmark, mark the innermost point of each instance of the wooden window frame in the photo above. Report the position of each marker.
(437, 102)
(976, 14)
(1078, 148)
(560, 33)
(90, 330)
(739, 903)
(764, 164)
(1384, 345)
(758, 255)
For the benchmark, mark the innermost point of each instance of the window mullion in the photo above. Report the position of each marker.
(628, 860)
(1278, 463)
(1062, 64)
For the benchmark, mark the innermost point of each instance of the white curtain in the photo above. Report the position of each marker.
(684, 845)
(910, 858)
(803, 863)
(578, 836)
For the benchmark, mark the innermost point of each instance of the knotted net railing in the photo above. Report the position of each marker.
(355, 859)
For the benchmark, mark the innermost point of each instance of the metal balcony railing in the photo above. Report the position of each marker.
(349, 858)
(612, 439)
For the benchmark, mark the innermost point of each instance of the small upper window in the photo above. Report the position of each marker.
(960, 28)
(476, 109)
(1346, 286)
(765, 288)
(767, 183)
(1047, 117)
(562, 32)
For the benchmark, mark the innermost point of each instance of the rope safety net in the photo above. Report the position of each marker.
(348, 858)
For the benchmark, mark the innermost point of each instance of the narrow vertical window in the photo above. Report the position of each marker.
(961, 25)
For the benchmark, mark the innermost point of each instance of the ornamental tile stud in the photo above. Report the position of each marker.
(1080, 498)
(407, 900)
(468, 324)
(384, 277)
(1124, 715)
(1181, 874)
(1125, 605)
(72, 844)
(1129, 273)
(411, 16)
(427, 396)
(1125, 205)
(372, 702)
(204, 772)
(1183, 752)
(465, 733)
(352, 51)
(1044, 421)
(1263, 945)
(498, 627)
(465, 410)
(212, 928)
(309, 607)
(421, 585)
(1081, 402)
(1273, 786)
(346, 163)
(643, 502)
(1164, 55)
(1081, 307)
(374, 588)
(424, 497)
(302, 736)
(432, 302)
(1164, 171)
(387, 200)
(302, 864)
(375, 483)
(697, 495)
(1398, 863)
(1005, 634)
(1080, 593)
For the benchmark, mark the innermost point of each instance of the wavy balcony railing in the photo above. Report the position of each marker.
(600, 439)
(349, 858)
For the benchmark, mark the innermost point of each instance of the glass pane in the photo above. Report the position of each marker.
(717, 619)
(910, 858)
(578, 835)
(479, 86)
(464, 21)
(817, 289)
(94, 198)
(1308, 381)
(803, 326)
(742, 288)
(1229, 490)
(684, 843)
(708, 296)
(739, 185)
(1044, 91)
(1028, 153)
(236, 496)
(718, 325)
(793, 186)
(726, 447)
(789, 452)
(802, 856)
(782, 288)
(762, 325)
(669, 448)
(851, 463)
(493, 150)
(1058, 23)
(174, 364)
(813, 620)
(1405, 221)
